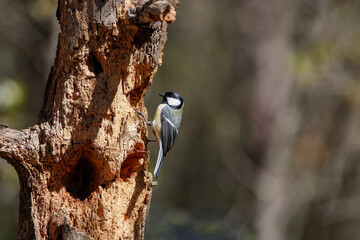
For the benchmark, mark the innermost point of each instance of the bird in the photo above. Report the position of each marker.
(166, 123)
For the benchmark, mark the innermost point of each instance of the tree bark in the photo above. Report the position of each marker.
(83, 167)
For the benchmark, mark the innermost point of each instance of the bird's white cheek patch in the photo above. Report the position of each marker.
(173, 101)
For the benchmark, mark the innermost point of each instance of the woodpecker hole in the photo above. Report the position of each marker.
(133, 162)
(136, 94)
(94, 65)
(83, 179)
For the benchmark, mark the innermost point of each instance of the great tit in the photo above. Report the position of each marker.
(165, 125)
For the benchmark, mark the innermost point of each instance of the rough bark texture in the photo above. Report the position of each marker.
(83, 167)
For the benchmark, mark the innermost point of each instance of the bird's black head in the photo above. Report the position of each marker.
(172, 99)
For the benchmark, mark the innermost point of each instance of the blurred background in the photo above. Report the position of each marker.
(269, 147)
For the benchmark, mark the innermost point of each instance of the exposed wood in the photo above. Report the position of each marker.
(162, 10)
(83, 168)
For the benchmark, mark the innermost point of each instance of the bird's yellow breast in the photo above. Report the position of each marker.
(157, 121)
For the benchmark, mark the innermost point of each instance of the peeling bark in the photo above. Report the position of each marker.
(83, 167)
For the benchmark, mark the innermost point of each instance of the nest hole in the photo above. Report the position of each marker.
(94, 65)
(132, 164)
(83, 179)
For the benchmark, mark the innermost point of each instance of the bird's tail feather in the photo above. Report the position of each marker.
(159, 161)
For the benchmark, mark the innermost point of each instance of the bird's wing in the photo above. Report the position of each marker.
(169, 130)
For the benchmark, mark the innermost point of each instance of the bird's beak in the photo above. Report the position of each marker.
(162, 94)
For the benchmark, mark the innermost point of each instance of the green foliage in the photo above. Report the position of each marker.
(12, 94)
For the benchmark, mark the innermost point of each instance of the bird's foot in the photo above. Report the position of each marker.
(143, 115)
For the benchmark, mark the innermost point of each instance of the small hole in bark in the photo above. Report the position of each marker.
(83, 179)
(133, 162)
(143, 36)
(136, 94)
(94, 65)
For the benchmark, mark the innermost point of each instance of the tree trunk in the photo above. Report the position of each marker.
(83, 167)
